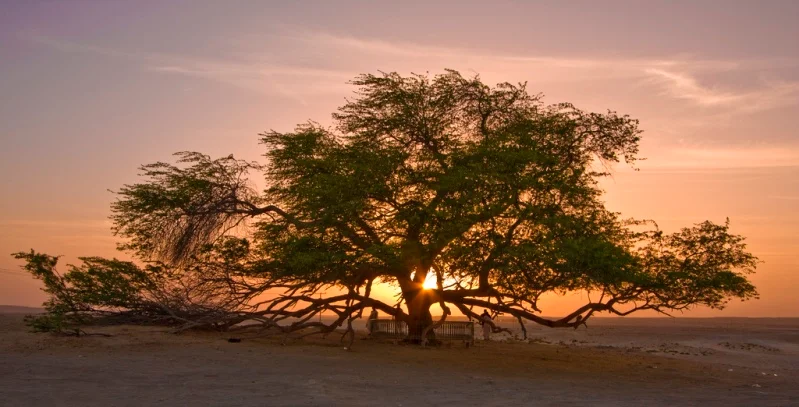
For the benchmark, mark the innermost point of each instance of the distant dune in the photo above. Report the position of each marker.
(17, 309)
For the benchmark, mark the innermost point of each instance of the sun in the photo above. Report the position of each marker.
(431, 282)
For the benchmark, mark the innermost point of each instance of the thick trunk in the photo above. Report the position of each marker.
(417, 299)
(419, 319)
(418, 302)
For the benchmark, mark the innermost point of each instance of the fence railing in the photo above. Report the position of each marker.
(448, 330)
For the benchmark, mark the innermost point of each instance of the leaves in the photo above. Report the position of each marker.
(180, 209)
(489, 186)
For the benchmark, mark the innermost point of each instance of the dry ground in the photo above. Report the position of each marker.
(614, 362)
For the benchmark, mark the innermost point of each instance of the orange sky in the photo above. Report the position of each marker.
(92, 90)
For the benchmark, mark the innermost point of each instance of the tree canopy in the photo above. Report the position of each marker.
(487, 188)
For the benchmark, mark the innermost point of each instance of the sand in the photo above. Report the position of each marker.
(614, 362)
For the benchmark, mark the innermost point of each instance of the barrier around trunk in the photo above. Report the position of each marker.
(447, 331)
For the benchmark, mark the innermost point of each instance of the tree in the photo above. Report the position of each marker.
(487, 189)
(116, 291)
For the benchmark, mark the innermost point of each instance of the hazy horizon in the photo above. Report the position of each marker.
(93, 90)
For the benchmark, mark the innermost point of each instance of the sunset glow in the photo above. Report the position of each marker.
(431, 282)
(93, 90)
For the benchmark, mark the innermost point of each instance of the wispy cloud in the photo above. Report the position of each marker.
(724, 157)
(408, 49)
(766, 96)
(250, 74)
(294, 83)
(675, 77)
(33, 223)
(683, 86)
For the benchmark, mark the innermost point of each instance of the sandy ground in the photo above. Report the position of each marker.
(636, 362)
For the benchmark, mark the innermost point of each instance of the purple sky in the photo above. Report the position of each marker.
(93, 89)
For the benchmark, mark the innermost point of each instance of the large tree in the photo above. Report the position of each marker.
(486, 188)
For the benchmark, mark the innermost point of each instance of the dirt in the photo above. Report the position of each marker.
(610, 364)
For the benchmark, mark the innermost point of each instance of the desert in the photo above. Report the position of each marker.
(612, 362)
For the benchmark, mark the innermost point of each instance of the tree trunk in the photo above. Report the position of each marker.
(419, 317)
(417, 299)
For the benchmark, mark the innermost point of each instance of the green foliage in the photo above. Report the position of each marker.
(494, 190)
(704, 265)
(210, 192)
(96, 285)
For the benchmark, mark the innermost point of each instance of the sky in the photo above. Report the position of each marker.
(91, 90)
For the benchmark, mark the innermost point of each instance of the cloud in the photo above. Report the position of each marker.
(32, 223)
(407, 49)
(294, 83)
(675, 76)
(703, 96)
(685, 87)
(242, 76)
(290, 81)
(377, 46)
(723, 157)
(682, 85)
(309, 63)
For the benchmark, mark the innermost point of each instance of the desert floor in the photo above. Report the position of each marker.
(637, 362)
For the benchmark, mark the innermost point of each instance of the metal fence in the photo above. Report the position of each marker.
(448, 330)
